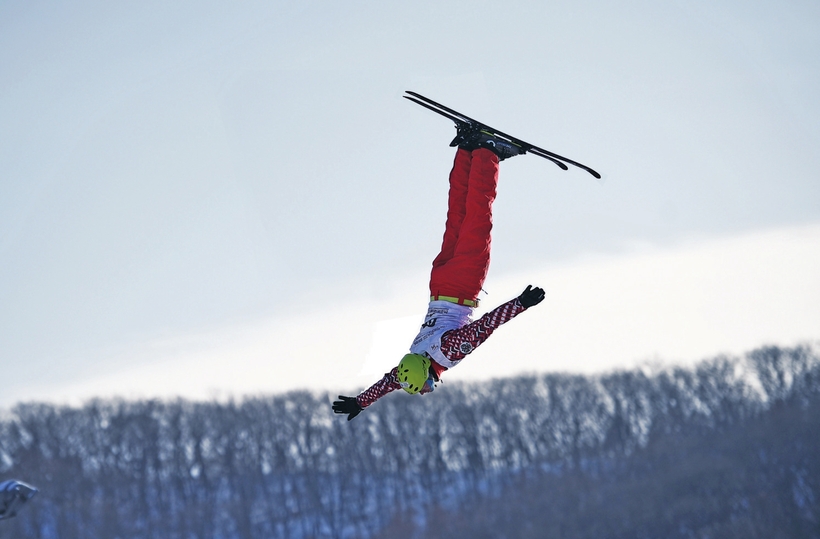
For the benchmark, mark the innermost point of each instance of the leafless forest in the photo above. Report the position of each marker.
(729, 448)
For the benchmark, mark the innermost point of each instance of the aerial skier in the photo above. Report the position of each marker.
(13, 495)
(448, 333)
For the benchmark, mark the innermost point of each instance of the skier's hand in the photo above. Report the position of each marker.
(347, 405)
(531, 296)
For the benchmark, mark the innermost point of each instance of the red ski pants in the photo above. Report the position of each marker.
(460, 268)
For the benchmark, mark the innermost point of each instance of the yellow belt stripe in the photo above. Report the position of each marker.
(458, 301)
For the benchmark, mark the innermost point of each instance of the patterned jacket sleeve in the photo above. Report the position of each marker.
(378, 390)
(456, 344)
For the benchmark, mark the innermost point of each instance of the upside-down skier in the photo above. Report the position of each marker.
(448, 333)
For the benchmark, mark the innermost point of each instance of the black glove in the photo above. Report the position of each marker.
(531, 296)
(347, 405)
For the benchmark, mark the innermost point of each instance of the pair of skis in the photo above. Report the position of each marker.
(464, 121)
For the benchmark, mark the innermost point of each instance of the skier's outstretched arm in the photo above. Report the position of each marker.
(354, 405)
(458, 343)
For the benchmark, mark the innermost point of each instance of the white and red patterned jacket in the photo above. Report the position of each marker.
(455, 345)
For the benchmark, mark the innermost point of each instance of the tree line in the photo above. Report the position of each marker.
(722, 449)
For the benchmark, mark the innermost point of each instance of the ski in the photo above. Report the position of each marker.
(462, 119)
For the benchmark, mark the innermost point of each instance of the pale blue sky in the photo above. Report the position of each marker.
(173, 171)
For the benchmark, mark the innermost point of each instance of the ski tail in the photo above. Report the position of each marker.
(444, 108)
(430, 107)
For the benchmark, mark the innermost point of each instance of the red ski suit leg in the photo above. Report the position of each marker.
(460, 268)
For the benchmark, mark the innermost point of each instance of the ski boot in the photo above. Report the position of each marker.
(473, 136)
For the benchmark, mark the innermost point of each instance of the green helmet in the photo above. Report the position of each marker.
(412, 372)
